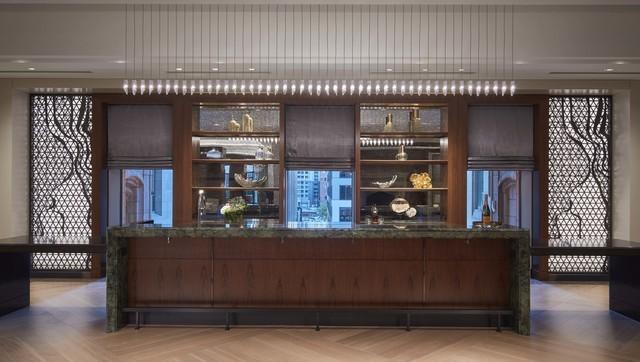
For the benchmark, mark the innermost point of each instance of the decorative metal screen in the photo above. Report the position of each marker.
(579, 179)
(60, 178)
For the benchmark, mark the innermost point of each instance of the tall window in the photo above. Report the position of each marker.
(319, 196)
(60, 173)
(579, 179)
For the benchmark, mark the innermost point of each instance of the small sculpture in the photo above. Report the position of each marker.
(386, 184)
(414, 120)
(388, 123)
(411, 212)
(402, 155)
(399, 205)
(421, 180)
(247, 123)
(234, 126)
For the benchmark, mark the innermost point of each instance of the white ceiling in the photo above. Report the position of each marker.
(551, 42)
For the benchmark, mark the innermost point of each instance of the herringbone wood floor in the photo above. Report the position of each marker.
(571, 322)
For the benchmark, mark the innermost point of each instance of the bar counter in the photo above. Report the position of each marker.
(411, 268)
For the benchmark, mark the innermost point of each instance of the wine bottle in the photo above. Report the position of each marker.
(486, 211)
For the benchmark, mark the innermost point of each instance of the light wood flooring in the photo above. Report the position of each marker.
(65, 322)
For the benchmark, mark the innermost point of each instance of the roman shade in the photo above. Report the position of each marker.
(500, 138)
(139, 136)
(320, 137)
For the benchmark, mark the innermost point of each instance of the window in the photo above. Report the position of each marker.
(345, 214)
(320, 196)
(345, 192)
(147, 196)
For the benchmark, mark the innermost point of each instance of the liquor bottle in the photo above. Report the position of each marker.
(374, 214)
(486, 211)
(414, 121)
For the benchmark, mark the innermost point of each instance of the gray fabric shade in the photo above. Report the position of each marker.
(500, 137)
(320, 137)
(139, 136)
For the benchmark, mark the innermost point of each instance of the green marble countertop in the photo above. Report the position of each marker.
(297, 230)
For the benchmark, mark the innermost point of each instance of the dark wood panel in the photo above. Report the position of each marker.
(170, 282)
(317, 283)
(173, 248)
(14, 281)
(473, 249)
(624, 285)
(370, 283)
(468, 283)
(318, 248)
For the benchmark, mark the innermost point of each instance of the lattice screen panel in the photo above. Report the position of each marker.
(579, 179)
(61, 178)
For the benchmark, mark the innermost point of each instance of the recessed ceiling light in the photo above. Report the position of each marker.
(252, 69)
(20, 61)
(461, 70)
(120, 61)
(609, 70)
(215, 69)
(620, 62)
(520, 62)
(389, 70)
(179, 69)
(425, 69)
(31, 68)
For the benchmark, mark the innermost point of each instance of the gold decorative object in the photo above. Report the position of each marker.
(399, 205)
(414, 120)
(421, 180)
(401, 155)
(247, 123)
(386, 184)
(242, 181)
(234, 126)
(388, 123)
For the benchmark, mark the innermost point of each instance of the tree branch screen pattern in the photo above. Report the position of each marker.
(60, 178)
(579, 180)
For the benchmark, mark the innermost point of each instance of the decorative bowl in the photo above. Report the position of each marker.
(242, 181)
(386, 184)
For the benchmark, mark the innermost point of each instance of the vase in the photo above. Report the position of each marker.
(234, 219)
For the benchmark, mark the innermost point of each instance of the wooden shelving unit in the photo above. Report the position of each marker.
(210, 124)
(427, 151)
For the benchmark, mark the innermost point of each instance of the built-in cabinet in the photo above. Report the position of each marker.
(403, 157)
(236, 151)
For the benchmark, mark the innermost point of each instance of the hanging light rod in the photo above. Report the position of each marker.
(296, 50)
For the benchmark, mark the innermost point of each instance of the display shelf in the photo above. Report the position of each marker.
(233, 134)
(418, 133)
(403, 189)
(403, 134)
(259, 137)
(235, 160)
(407, 162)
(235, 188)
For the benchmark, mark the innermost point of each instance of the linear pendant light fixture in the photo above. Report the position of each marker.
(320, 50)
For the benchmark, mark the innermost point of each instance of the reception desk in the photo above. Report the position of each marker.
(371, 274)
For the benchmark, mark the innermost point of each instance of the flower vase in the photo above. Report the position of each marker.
(234, 219)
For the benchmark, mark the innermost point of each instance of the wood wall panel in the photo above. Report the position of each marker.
(467, 283)
(473, 249)
(318, 248)
(321, 283)
(170, 282)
